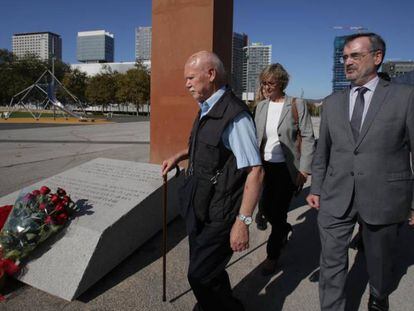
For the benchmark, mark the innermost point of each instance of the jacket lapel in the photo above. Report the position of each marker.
(285, 109)
(377, 100)
(345, 113)
(263, 117)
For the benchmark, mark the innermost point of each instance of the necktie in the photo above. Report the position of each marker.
(356, 118)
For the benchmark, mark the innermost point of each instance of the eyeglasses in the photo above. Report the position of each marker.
(355, 56)
(268, 83)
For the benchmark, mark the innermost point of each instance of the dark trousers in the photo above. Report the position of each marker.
(335, 234)
(209, 254)
(278, 190)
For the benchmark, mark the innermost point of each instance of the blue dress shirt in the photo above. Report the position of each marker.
(239, 136)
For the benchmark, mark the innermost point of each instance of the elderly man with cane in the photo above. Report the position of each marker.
(223, 181)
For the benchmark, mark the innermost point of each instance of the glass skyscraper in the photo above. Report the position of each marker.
(256, 57)
(339, 80)
(240, 40)
(143, 37)
(95, 47)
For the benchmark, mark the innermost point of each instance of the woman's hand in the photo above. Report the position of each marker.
(301, 178)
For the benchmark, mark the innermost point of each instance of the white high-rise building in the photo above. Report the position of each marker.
(44, 45)
(143, 36)
(256, 57)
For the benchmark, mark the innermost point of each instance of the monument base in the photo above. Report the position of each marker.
(121, 209)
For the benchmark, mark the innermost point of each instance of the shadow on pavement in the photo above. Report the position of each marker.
(299, 260)
(142, 257)
(358, 276)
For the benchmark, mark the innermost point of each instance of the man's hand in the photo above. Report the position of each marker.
(168, 165)
(313, 200)
(411, 219)
(239, 236)
(301, 178)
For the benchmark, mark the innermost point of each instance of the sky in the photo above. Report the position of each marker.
(301, 32)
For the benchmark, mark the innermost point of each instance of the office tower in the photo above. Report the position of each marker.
(397, 68)
(339, 80)
(240, 40)
(256, 57)
(95, 46)
(44, 45)
(143, 37)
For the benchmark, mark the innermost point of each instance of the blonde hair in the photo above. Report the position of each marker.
(277, 72)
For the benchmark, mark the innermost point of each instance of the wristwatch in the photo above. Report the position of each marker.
(246, 219)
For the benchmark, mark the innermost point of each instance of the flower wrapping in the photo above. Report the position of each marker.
(35, 217)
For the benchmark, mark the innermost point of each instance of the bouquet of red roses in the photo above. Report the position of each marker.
(34, 217)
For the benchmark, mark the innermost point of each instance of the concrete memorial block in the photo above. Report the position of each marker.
(122, 209)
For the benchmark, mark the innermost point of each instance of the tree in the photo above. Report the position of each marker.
(16, 74)
(101, 89)
(134, 86)
(75, 81)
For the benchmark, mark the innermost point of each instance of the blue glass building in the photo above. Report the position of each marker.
(95, 47)
(339, 80)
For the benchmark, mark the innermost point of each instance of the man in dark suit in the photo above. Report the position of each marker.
(362, 172)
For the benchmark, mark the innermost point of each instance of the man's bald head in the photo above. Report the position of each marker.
(208, 60)
(204, 74)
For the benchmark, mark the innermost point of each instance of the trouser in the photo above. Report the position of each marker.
(210, 252)
(335, 235)
(277, 193)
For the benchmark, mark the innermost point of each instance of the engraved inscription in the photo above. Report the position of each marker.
(107, 184)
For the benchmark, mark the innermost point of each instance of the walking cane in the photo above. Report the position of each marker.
(164, 235)
(164, 240)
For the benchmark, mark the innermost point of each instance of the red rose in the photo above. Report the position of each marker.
(36, 192)
(54, 199)
(61, 192)
(4, 214)
(60, 207)
(66, 199)
(61, 219)
(44, 190)
(9, 266)
(42, 206)
(48, 220)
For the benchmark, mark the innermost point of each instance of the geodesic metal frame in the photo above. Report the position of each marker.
(49, 98)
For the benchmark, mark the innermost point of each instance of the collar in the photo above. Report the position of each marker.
(213, 99)
(370, 85)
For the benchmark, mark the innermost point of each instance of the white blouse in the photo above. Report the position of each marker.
(273, 151)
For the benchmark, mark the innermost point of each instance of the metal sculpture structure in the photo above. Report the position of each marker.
(46, 97)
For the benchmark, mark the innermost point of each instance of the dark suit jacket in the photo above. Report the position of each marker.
(377, 167)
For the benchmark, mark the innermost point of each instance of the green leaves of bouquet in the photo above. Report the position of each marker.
(34, 217)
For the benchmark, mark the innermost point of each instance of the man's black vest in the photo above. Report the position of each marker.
(218, 183)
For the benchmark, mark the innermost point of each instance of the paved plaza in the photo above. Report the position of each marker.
(31, 153)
